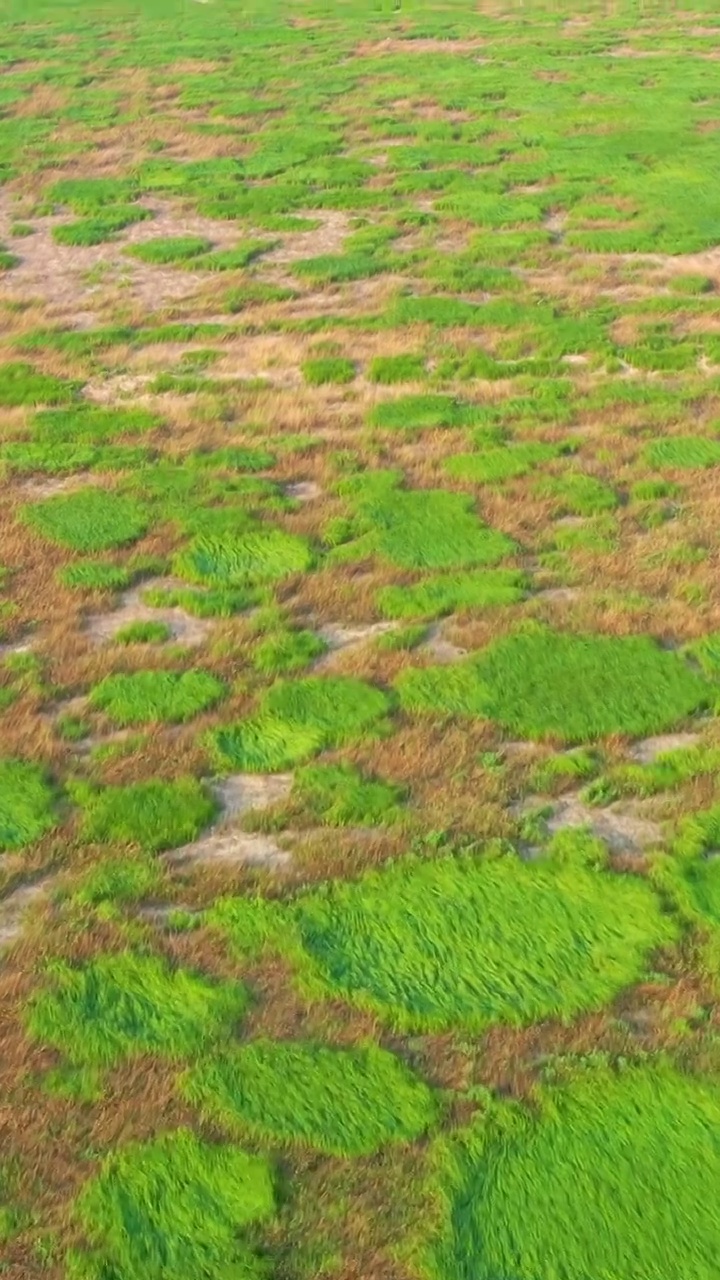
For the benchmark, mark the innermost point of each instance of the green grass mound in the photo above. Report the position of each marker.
(343, 1102)
(424, 529)
(234, 259)
(122, 1005)
(330, 370)
(577, 494)
(143, 697)
(27, 804)
(468, 942)
(154, 815)
(95, 575)
(388, 370)
(285, 651)
(87, 195)
(544, 684)
(88, 520)
(120, 881)
(167, 250)
(23, 384)
(615, 1176)
(298, 718)
(54, 459)
(498, 463)
(143, 633)
(332, 268)
(175, 1207)
(101, 227)
(217, 603)
(256, 556)
(450, 593)
(339, 796)
(91, 424)
(423, 412)
(683, 453)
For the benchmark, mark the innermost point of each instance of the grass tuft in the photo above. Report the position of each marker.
(27, 804)
(119, 1006)
(170, 697)
(176, 1206)
(544, 684)
(343, 1102)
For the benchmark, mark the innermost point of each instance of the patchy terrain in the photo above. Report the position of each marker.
(359, 641)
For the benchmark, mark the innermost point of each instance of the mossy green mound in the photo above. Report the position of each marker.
(154, 815)
(176, 1207)
(298, 718)
(256, 556)
(614, 1176)
(88, 520)
(339, 796)
(345, 1102)
(119, 1006)
(142, 697)
(449, 593)
(467, 942)
(421, 528)
(546, 684)
(27, 804)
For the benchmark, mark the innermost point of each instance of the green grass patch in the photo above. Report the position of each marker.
(612, 1174)
(99, 228)
(143, 633)
(388, 370)
(298, 718)
(422, 412)
(122, 1005)
(153, 815)
(235, 259)
(466, 942)
(577, 494)
(144, 697)
(285, 651)
(499, 463)
(338, 795)
(217, 603)
(86, 195)
(92, 424)
(318, 373)
(263, 555)
(438, 596)
(573, 688)
(22, 384)
(346, 1102)
(27, 804)
(121, 881)
(683, 453)
(88, 520)
(95, 575)
(177, 1206)
(167, 250)
(338, 268)
(420, 528)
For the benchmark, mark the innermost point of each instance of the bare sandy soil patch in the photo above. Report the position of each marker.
(185, 628)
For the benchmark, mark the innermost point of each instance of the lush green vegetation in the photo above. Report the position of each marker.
(346, 1102)
(88, 520)
(177, 1206)
(146, 696)
(541, 684)
(583, 1186)
(154, 815)
(122, 1005)
(27, 804)
(470, 942)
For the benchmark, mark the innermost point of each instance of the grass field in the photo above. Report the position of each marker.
(359, 640)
